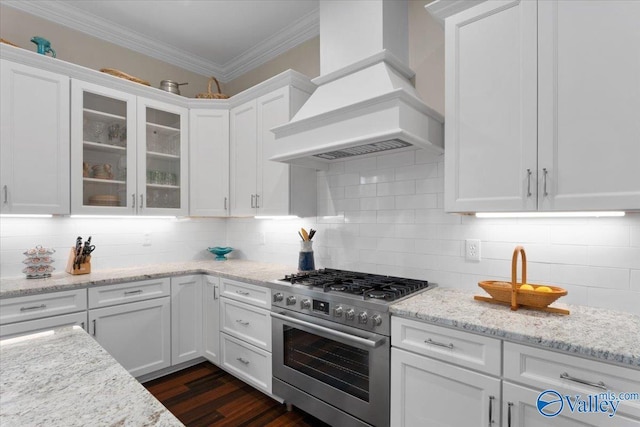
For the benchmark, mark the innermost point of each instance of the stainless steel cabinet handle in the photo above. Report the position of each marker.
(94, 327)
(225, 203)
(491, 399)
(141, 201)
(600, 384)
(257, 200)
(430, 341)
(133, 201)
(242, 293)
(242, 322)
(528, 182)
(35, 307)
(137, 291)
(241, 360)
(544, 174)
(5, 190)
(253, 201)
(215, 292)
(509, 406)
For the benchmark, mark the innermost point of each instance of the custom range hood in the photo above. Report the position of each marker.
(365, 103)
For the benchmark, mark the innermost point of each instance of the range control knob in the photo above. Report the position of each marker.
(337, 312)
(363, 318)
(350, 314)
(291, 300)
(376, 319)
(305, 303)
(278, 297)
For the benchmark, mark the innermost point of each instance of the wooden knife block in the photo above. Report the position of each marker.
(85, 267)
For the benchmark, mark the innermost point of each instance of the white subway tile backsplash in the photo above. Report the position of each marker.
(420, 172)
(587, 234)
(581, 275)
(396, 188)
(417, 231)
(378, 175)
(635, 236)
(394, 160)
(361, 165)
(628, 301)
(614, 256)
(377, 203)
(378, 230)
(519, 233)
(427, 156)
(395, 245)
(429, 185)
(417, 201)
(343, 180)
(396, 217)
(635, 280)
(354, 191)
(361, 217)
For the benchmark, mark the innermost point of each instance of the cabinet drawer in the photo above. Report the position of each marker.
(246, 322)
(251, 294)
(247, 362)
(462, 348)
(45, 305)
(544, 369)
(105, 296)
(47, 323)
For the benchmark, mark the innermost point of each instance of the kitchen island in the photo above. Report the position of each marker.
(65, 378)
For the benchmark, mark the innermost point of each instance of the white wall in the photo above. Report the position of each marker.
(384, 214)
(119, 242)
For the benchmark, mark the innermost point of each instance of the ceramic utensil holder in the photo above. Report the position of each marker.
(305, 259)
(75, 269)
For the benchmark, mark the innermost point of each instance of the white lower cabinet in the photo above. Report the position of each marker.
(520, 410)
(429, 388)
(137, 334)
(186, 318)
(245, 332)
(211, 318)
(247, 362)
(47, 323)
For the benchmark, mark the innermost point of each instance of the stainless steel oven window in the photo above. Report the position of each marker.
(337, 364)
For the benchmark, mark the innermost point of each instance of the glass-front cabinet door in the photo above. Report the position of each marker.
(128, 154)
(162, 158)
(103, 150)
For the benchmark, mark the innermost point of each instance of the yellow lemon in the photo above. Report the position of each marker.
(526, 287)
(543, 289)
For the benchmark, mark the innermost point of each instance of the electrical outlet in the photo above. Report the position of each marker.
(472, 249)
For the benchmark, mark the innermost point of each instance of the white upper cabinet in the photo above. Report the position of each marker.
(209, 161)
(129, 154)
(589, 105)
(162, 158)
(260, 186)
(103, 164)
(34, 136)
(542, 101)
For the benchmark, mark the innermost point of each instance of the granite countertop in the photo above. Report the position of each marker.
(605, 335)
(247, 271)
(65, 378)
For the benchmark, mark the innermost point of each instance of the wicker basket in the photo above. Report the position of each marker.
(122, 75)
(211, 95)
(511, 294)
(8, 42)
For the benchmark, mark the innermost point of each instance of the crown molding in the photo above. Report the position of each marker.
(298, 32)
(442, 9)
(289, 37)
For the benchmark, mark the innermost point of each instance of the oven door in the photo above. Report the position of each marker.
(345, 367)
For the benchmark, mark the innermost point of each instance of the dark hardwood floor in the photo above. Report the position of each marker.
(205, 395)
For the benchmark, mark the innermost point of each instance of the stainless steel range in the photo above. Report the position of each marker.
(331, 345)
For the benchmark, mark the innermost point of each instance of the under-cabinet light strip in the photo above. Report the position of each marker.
(548, 214)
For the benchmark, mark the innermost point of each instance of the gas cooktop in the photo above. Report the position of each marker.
(365, 285)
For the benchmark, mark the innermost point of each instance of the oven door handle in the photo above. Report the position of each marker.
(328, 331)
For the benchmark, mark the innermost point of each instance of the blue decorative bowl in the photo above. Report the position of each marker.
(220, 252)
